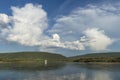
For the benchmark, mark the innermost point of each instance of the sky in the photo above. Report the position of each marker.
(67, 27)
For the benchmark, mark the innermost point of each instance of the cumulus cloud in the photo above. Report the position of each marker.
(4, 21)
(88, 17)
(56, 37)
(89, 20)
(28, 24)
(55, 41)
(96, 39)
(4, 18)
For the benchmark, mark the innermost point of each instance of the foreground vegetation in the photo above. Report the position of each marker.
(97, 57)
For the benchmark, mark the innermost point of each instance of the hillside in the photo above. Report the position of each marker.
(30, 56)
(97, 57)
(41, 56)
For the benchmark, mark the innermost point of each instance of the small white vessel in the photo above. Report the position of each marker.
(45, 62)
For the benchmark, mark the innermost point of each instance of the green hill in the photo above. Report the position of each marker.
(51, 57)
(30, 56)
(97, 57)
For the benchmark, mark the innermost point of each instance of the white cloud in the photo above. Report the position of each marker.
(29, 24)
(96, 39)
(4, 21)
(4, 18)
(56, 37)
(82, 18)
(55, 41)
(88, 19)
(74, 45)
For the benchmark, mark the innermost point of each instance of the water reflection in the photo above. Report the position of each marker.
(108, 67)
(69, 71)
(31, 66)
(101, 76)
(78, 76)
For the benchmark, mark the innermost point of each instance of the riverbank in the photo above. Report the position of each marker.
(98, 62)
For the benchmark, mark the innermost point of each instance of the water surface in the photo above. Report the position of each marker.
(59, 71)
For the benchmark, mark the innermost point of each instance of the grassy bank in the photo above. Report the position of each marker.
(39, 57)
(97, 58)
(30, 57)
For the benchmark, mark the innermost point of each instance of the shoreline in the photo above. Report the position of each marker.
(98, 62)
(61, 61)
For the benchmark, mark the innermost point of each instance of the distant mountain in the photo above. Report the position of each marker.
(97, 57)
(30, 56)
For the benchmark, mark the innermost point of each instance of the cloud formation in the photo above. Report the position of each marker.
(29, 22)
(103, 17)
(96, 39)
(89, 20)
(28, 25)
(76, 31)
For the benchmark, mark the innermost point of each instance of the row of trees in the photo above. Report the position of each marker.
(98, 59)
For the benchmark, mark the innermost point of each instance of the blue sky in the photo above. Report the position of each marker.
(68, 27)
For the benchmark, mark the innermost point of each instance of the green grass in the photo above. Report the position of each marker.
(51, 57)
(97, 57)
(30, 56)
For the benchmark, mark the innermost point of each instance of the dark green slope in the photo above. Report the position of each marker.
(97, 57)
(31, 56)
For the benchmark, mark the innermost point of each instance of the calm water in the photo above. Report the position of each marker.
(68, 71)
